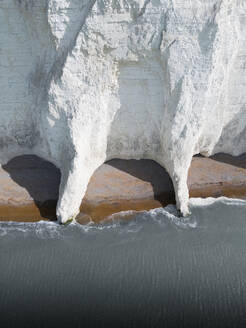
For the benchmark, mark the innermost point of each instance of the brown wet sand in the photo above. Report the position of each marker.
(29, 186)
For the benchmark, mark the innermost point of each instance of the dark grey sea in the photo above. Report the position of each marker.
(156, 270)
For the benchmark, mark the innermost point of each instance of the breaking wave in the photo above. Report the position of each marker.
(120, 222)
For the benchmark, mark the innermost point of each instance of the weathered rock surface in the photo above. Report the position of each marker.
(29, 186)
(86, 81)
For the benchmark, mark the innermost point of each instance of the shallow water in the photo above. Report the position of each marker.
(157, 270)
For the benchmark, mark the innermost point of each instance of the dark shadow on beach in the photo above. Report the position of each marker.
(40, 178)
(149, 171)
(238, 161)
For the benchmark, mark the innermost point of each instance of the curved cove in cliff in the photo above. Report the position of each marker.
(83, 82)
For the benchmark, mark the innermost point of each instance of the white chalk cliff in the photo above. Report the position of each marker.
(85, 81)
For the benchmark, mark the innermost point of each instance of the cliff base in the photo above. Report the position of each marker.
(29, 186)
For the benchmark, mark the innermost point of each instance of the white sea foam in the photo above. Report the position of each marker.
(202, 202)
(120, 223)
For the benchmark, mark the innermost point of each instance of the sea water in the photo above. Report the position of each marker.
(155, 270)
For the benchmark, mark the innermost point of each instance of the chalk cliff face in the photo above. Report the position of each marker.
(83, 81)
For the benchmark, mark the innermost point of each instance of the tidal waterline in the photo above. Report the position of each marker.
(156, 270)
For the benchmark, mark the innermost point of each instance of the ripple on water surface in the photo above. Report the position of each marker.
(156, 270)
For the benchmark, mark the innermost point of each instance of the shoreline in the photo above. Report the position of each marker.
(29, 186)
